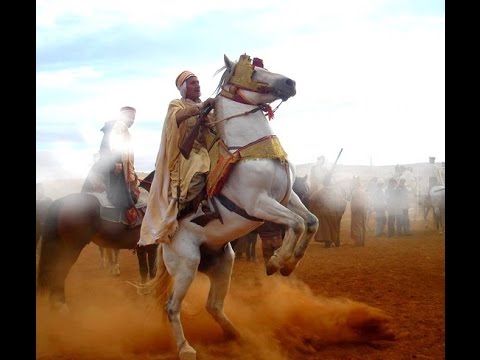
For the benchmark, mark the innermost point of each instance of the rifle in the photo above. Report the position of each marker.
(335, 163)
(187, 144)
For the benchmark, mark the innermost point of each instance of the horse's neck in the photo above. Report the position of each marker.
(239, 130)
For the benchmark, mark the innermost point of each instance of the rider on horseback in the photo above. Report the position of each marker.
(114, 171)
(179, 183)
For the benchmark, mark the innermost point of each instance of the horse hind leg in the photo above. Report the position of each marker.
(220, 274)
(58, 255)
(185, 270)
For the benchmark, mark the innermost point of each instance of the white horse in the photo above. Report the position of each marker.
(258, 188)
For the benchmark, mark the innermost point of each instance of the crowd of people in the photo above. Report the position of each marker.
(390, 205)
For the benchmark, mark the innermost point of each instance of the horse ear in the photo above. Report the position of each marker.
(228, 63)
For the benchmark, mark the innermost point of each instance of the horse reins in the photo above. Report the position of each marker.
(264, 107)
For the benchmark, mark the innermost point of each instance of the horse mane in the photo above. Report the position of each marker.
(223, 79)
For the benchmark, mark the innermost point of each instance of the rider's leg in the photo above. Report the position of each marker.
(142, 263)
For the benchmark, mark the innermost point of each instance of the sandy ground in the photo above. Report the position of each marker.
(308, 315)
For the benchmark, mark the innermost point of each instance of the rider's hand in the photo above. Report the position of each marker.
(209, 102)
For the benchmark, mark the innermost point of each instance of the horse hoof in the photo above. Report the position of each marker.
(115, 270)
(286, 270)
(61, 308)
(272, 267)
(142, 290)
(187, 353)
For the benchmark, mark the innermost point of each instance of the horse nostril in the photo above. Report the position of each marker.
(290, 83)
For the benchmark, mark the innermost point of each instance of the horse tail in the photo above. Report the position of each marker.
(51, 248)
(159, 287)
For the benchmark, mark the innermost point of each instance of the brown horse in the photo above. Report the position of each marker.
(40, 216)
(72, 222)
(41, 210)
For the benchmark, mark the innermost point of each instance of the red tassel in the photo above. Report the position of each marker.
(257, 62)
(269, 111)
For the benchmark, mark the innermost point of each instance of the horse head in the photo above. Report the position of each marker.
(243, 98)
(248, 82)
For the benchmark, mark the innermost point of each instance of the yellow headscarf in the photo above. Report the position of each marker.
(184, 75)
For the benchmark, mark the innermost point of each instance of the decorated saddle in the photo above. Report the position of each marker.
(109, 212)
(222, 159)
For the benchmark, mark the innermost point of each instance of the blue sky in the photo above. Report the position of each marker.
(370, 74)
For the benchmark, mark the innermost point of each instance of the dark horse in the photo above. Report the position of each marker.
(72, 222)
(302, 189)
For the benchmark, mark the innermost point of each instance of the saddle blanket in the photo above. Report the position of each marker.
(110, 213)
(222, 160)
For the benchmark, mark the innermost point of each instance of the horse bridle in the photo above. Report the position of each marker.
(242, 79)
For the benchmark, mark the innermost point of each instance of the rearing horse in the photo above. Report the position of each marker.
(258, 188)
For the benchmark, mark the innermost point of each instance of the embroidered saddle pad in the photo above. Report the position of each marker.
(222, 160)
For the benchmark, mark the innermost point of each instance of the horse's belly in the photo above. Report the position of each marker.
(252, 177)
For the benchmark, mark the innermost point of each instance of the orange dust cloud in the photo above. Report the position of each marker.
(273, 314)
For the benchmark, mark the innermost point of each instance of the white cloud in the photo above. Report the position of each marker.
(66, 77)
(372, 84)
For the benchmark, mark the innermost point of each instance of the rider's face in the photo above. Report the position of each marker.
(193, 88)
(128, 117)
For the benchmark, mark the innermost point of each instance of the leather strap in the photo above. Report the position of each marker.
(230, 205)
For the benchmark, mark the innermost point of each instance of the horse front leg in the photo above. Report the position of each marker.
(271, 210)
(220, 274)
(56, 260)
(311, 227)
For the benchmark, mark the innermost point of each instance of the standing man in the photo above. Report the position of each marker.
(358, 208)
(379, 205)
(391, 200)
(317, 173)
(328, 204)
(147, 256)
(403, 220)
(178, 186)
